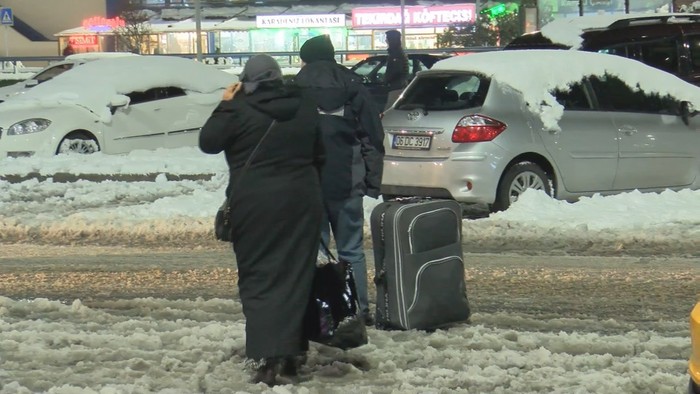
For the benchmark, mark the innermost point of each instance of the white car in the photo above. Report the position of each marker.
(113, 106)
(54, 69)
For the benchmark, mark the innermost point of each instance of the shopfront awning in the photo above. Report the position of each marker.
(235, 24)
(188, 25)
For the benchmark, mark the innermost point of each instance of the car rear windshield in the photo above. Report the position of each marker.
(445, 92)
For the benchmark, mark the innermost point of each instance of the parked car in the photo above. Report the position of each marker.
(670, 42)
(373, 68)
(475, 129)
(113, 106)
(55, 69)
(694, 363)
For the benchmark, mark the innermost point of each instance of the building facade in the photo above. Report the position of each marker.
(236, 26)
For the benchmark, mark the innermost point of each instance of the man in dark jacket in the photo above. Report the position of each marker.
(396, 76)
(354, 142)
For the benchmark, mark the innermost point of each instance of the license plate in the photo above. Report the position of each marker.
(411, 142)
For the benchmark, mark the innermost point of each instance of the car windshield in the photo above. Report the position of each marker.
(445, 91)
(365, 68)
(52, 72)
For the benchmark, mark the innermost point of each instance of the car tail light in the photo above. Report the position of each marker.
(477, 128)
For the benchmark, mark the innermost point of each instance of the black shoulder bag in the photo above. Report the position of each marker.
(223, 227)
(332, 317)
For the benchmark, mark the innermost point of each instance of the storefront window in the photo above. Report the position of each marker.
(290, 40)
(415, 38)
(82, 43)
(181, 42)
(234, 41)
(421, 41)
(359, 42)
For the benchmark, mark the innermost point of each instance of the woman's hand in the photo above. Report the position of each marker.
(231, 90)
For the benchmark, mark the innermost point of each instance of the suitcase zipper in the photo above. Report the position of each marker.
(382, 274)
(401, 311)
(415, 219)
(423, 268)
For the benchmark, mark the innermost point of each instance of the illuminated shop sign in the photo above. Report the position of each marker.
(99, 23)
(82, 41)
(414, 16)
(319, 20)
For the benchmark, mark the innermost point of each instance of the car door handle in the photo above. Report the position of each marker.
(627, 130)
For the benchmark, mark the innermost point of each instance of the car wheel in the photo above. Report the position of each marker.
(516, 180)
(692, 387)
(78, 142)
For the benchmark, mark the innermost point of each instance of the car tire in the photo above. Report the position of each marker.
(78, 142)
(518, 178)
(692, 387)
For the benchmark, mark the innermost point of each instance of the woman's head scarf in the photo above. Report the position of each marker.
(258, 69)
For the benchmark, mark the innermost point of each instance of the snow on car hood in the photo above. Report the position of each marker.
(536, 73)
(95, 84)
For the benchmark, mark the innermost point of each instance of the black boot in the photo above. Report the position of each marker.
(292, 364)
(290, 367)
(267, 372)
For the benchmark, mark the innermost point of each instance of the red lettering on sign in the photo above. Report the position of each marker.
(82, 41)
(413, 16)
(102, 23)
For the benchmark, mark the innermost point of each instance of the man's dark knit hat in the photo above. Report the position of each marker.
(393, 33)
(317, 48)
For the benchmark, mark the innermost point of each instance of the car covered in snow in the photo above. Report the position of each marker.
(55, 69)
(667, 41)
(114, 106)
(570, 123)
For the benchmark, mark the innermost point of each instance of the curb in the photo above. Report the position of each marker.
(64, 177)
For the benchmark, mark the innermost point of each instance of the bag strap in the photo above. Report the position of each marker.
(248, 161)
(331, 257)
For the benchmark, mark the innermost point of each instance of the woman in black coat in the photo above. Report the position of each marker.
(276, 208)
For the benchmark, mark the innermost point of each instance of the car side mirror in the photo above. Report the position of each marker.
(118, 101)
(687, 111)
(30, 82)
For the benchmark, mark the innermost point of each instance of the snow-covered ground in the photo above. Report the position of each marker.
(192, 346)
(162, 345)
(181, 189)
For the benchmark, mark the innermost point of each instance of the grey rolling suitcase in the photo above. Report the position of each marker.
(419, 268)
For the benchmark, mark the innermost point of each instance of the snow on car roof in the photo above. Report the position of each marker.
(568, 31)
(98, 55)
(95, 84)
(541, 71)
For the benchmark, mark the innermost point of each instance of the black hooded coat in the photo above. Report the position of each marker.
(396, 74)
(276, 210)
(351, 129)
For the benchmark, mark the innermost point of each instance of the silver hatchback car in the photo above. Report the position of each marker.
(485, 127)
